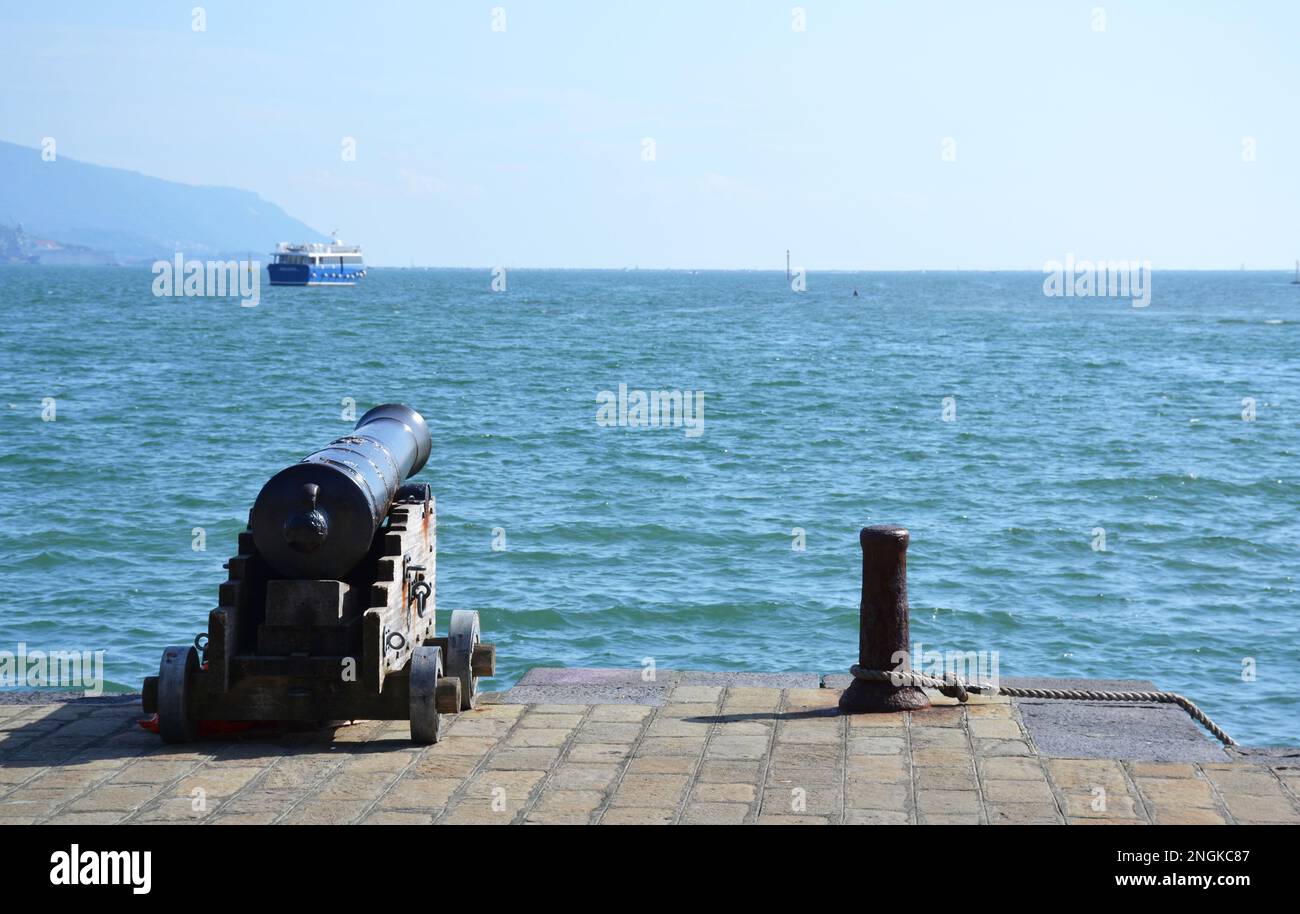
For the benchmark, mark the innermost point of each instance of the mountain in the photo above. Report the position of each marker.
(134, 216)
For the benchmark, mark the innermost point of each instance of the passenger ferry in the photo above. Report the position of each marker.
(333, 264)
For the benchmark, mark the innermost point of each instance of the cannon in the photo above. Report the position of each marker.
(329, 612)
(317, 518)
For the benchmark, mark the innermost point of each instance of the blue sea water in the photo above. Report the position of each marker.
(822, 411)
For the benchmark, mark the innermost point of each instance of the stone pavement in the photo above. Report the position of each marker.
(690, 748)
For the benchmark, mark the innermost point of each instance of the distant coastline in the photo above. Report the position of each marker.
(59, 211)
(146, 262)
(17, 247)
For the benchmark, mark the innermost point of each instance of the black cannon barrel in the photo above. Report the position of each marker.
(316, 519)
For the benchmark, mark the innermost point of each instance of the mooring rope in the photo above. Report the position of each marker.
(949, 684)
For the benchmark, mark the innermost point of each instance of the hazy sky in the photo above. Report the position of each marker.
(524, 147)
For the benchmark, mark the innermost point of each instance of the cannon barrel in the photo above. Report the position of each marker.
(317, 518)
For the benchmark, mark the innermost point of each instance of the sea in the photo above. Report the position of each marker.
(1092, 489)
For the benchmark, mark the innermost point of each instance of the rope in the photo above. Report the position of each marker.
(956, 688)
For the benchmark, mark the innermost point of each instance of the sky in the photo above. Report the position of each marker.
(705, 134)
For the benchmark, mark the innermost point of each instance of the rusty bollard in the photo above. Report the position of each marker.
(882, 626)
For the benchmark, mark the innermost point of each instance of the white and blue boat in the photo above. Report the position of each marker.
(333, 264)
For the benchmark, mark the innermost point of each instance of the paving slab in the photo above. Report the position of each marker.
(585, 746)
(577, 694)
(1150, 732)
(749, 680)
(584, 676)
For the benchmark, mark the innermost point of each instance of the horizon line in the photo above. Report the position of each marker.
(847, 270)
(143, 263)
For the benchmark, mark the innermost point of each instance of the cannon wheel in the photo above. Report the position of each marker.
(175, 678)
(426, 668)
(462, 637)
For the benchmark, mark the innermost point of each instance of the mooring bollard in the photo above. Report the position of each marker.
(882, 625)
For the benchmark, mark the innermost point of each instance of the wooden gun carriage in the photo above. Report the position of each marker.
(288, 643)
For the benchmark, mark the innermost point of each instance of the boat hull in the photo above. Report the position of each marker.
(294, 274)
